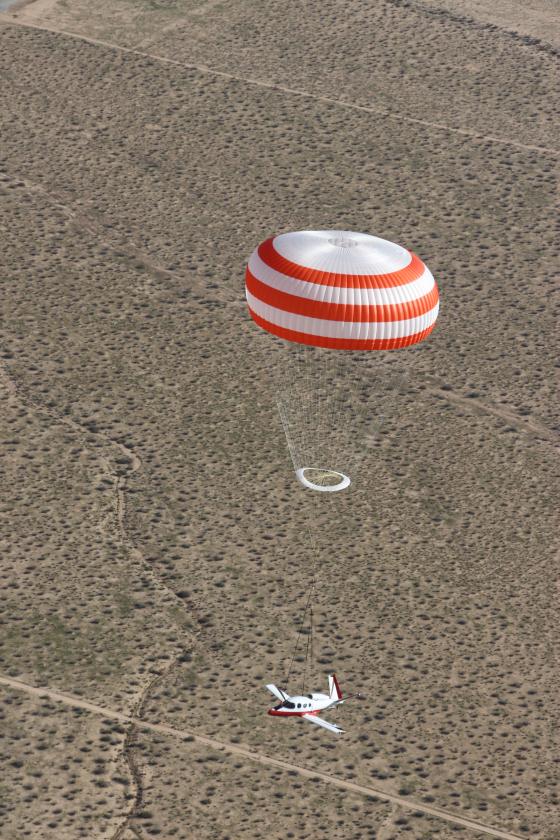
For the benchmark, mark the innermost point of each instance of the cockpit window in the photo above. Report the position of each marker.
(287, 704)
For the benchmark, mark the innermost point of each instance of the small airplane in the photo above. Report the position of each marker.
(308, 706)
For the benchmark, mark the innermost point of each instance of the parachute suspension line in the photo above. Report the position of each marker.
(306, 409)
(287, 399)
(286, 427)
(311, 639)
(345, 370)
(313, 405)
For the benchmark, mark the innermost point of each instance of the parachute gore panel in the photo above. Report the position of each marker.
(342, 290)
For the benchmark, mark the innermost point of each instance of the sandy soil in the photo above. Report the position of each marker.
(140, 734)
(158, 555)
(63, 771)
(405, 58)
(538, 19)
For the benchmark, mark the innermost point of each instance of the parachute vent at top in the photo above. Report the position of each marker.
(341, 290)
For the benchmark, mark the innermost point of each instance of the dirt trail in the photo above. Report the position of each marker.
(130, 742)
(119, 481)
(259, 758)
(95, 225)
(368, 109)
(97, 228)
(387, 827)
(526, 425)
(135, 721)
(119, 525)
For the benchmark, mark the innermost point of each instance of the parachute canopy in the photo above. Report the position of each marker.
(341, 290)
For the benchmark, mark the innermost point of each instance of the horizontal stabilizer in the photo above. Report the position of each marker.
(325, 724)
(278, 693)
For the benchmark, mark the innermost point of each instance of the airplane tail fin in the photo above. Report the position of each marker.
(334, 689)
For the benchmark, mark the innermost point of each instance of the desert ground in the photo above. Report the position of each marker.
(156, 546)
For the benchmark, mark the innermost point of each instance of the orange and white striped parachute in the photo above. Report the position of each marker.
(324, 290)
(341, 290)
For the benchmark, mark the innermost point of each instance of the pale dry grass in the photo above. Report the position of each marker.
(63, 776)
(130, 193)
(423, 61)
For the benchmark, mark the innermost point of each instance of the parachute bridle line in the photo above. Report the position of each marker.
(307, 613)
(300, 631)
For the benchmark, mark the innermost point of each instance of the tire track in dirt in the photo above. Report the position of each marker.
(368, 109)
(258, 757)
(119, 481)
(135, 462)
(130, 742)
(385, 831)
(97, 228)
(446, 15)
(528, 426)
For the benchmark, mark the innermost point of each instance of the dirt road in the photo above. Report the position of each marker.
(259, 758)
(285, 89)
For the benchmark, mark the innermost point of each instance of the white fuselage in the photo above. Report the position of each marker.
(303, 704)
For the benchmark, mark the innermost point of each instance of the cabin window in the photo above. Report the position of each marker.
(299, 705)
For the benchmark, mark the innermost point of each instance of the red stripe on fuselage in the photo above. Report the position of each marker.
(278, 713)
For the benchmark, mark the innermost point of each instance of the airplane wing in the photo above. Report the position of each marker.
(277, 692)
(325, 724)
